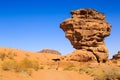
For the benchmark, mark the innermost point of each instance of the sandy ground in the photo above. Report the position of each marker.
(44, 75)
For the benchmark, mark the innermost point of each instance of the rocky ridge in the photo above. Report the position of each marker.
(50, 51)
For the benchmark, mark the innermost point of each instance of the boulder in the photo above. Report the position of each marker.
(116, 56)
(80, 56)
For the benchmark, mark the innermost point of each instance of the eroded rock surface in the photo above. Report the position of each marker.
(86, 31)
(116, 56)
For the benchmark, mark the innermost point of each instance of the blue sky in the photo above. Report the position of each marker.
(34, 24)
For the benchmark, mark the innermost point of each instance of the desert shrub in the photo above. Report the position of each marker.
(25, 65)
(35, 65)
(85, 69)
(20, 68)
(96, 73)
(102, 73)
(113, 74)
(70, 67)
(10, 55)
(2, 56)
(8, 65)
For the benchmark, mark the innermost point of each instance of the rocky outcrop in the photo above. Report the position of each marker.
(80, 56)
(49, 51)
(86, 31)
(116, 56)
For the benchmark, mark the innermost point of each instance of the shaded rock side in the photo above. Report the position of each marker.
(86, 31)
(50, 51)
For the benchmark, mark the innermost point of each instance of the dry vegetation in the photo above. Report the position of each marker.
(24, 61)
(102, 72)
(25, 65)
(97, 71)
(9, 63)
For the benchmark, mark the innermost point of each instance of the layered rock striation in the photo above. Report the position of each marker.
(86, 31)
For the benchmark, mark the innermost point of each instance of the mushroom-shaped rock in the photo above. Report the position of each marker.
(86, 31)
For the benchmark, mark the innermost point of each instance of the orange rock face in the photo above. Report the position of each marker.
(86, 31)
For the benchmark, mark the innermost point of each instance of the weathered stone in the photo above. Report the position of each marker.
(116, 56)
(80, 56)
(86, 30)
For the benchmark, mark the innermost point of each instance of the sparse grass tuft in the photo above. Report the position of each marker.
(70, 67)
(102, 73)
(10, 55)
(8, 65)
(2, 56)
(25, 65)
(35, 65)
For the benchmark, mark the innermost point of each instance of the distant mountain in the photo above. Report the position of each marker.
(50, 51)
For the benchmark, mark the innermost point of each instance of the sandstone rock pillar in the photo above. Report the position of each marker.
(86, 30)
